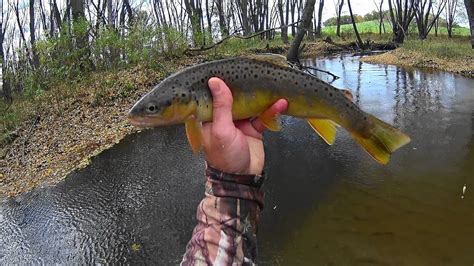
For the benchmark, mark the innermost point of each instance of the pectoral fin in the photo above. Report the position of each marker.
(325, 128)
(271, 122)
(194, 133)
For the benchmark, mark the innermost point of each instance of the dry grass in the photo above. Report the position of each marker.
(451, 56)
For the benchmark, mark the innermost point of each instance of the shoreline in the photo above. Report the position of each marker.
(407, 58)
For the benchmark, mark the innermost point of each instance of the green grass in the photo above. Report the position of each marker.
(373, 27)
(455, 48)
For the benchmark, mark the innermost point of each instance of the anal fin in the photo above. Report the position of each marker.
(271, 122)
(325, 128)
(194, 133)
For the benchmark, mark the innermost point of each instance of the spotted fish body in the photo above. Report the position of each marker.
(256, 83)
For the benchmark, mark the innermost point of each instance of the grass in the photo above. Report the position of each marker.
(441, 47)
(373, 27)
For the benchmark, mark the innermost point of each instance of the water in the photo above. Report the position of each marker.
(324, 204)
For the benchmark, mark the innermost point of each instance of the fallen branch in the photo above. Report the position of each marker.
(334, 77)
(234, 35)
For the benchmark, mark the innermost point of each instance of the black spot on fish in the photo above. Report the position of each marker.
(326, 88)
(296, 82)
(330, 94)
(365, 118)
(268, 72)
(255, 76)
(347, 105)
(183, 95)
(315, 90)
(202, 80)
(236, 76)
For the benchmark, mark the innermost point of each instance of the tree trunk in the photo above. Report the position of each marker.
(284, 30)
(320, 16)
(338, 19)
(244, 14)
(209, 17)
(470, 14)
(222, 21)
(293, 27)
(293, 53)
(194, 11)
(129, 11)
(380, 17)
(34, 53)
(57, 15)
(401, 15)
(7, 93)
(360, 44)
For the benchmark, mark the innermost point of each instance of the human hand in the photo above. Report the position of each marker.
(234, 146)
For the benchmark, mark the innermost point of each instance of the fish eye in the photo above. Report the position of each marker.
(152, 108)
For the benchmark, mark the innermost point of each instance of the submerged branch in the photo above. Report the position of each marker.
(334, 77)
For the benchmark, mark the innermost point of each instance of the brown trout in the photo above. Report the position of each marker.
(256, 83)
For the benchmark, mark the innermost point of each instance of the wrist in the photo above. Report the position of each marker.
(242, 186)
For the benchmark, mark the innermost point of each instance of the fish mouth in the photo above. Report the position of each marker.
(144, 121)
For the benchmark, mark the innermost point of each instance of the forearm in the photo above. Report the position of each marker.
(227, 220)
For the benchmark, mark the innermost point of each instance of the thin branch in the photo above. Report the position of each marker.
(234, 35)
(334, 77)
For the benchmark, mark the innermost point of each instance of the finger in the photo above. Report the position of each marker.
(277, 108)
(221, 103)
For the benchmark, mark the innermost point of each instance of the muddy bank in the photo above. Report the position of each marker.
(65, 134)
(406, 58)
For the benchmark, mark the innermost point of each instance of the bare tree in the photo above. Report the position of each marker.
(381, 15)
(34, 53)
(243, 8)
(470, 14)
(293, 53)
(401, 15)
(360, 44)
(451, 9)
(283, 21)
(320, 17)
(423, 10)
(194, 11)
(222, 20)
(6, 90)
(338, 17)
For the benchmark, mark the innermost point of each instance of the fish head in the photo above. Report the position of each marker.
(167, 104)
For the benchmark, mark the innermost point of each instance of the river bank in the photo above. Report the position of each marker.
(454, 56)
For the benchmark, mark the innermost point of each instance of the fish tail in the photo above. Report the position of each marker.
(382, 140)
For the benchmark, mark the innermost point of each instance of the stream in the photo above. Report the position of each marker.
(324, 205)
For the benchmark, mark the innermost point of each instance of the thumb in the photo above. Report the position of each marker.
(221, 103)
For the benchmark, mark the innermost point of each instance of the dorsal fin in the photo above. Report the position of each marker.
(274, 59)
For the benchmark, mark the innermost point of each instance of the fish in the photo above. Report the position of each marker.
(256, 82)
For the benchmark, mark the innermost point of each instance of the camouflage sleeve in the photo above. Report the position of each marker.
(227, 220)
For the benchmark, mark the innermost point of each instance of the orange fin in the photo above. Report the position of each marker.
(272, 123)
(382, 140)
(194, 133)
(325, 128)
